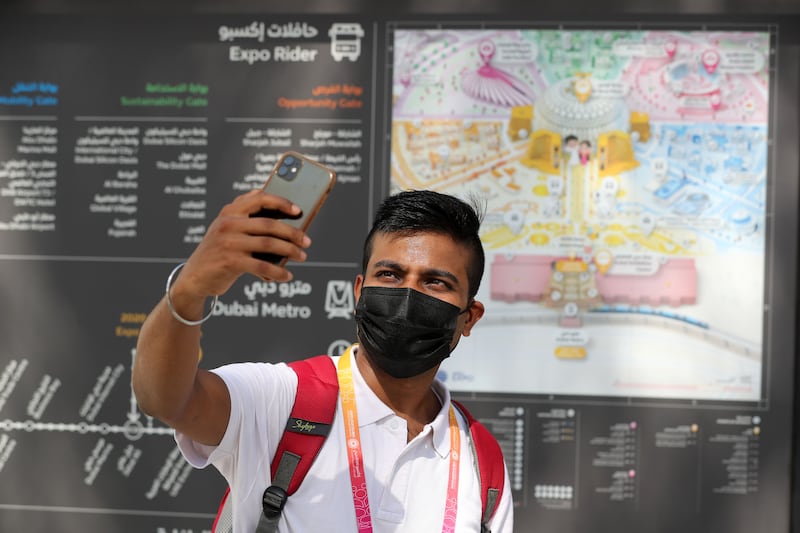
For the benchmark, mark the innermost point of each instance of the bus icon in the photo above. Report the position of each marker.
(346, 40)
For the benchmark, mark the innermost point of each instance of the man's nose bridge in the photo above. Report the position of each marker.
(412, 281)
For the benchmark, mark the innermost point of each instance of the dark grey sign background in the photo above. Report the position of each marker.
(64, 292)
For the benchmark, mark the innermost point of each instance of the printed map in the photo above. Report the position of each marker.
(624, 176)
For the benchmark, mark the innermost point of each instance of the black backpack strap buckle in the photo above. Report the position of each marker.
(273, 501)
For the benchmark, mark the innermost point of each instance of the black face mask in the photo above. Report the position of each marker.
(405, 332)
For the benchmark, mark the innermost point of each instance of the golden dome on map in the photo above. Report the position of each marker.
(560, 109)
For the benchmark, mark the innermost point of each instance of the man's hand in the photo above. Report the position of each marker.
(167, 383)
(225, 253)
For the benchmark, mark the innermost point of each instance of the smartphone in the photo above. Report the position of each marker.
(303, 181)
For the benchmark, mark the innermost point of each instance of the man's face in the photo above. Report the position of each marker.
(430, 263)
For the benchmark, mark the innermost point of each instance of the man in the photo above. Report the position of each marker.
(422, 265)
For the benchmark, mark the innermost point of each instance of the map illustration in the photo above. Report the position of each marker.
(625, 181)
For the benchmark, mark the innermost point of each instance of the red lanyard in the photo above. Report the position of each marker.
(358, 480)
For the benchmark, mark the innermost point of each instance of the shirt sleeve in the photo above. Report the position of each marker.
(262, 395)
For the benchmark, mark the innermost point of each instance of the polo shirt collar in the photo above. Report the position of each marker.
(371, 409)
(441, 424)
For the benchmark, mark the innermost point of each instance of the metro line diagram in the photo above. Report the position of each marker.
(135, 427)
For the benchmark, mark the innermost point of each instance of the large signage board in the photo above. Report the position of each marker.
(633, 361)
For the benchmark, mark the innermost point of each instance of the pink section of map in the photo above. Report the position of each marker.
(526, 278)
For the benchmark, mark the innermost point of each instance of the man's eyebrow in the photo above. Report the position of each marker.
(431, 272)
(388, 263)
(438, 273)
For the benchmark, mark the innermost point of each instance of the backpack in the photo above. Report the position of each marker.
(307, 428)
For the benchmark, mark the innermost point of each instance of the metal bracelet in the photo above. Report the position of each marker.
(172, 310)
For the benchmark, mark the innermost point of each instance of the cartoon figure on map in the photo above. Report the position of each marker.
(571, 150)
(585, 152)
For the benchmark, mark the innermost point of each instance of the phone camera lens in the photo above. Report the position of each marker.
(289, 168)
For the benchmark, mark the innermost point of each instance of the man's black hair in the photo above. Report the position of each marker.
(420, 211)
(569, 138)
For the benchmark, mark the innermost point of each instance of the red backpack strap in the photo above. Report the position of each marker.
(223, 522)
(311, 416)
(491, 467)
(305, 432)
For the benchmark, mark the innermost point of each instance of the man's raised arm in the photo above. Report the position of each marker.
(166, 379)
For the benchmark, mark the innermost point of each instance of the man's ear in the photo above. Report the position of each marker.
(474, 313)
(357, 287)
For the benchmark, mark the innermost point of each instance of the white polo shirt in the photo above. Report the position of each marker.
(406, 482)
